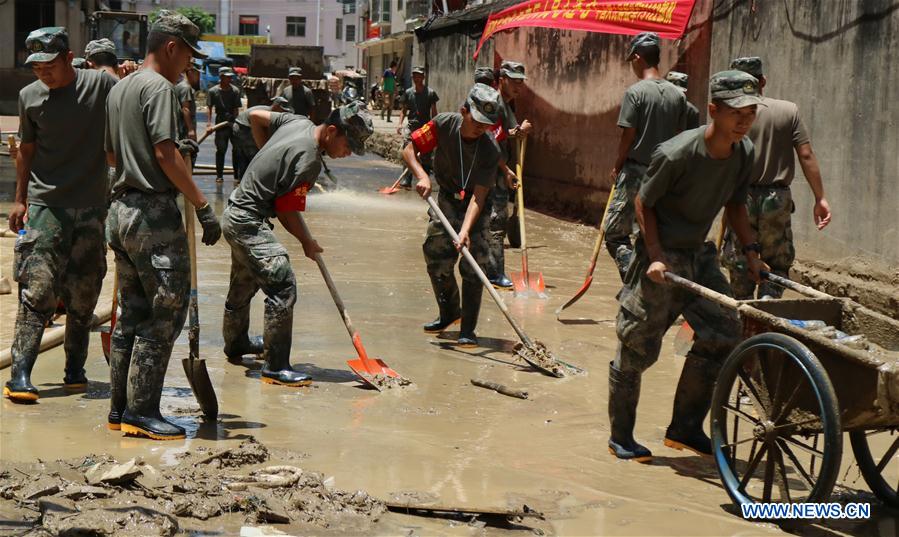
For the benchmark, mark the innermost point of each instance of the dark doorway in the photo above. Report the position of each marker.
(31, 15)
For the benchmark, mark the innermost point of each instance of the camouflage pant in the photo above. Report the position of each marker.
(620, 220)
(769, 215)
(648, 309)
(222, 138)
(62, 256)
(498, 210)
(440, 252)
(258, 261)
(146, 233)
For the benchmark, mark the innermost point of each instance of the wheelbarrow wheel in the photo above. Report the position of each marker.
(882, 473)
(776, 430)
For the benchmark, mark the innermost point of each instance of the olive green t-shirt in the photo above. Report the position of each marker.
(418, 106)
(508, 121)
(687, 188)
(302, 100)
(225, 103)
(658, 110)
(477, 163)
(776, 132)
(185, 94)
(288, 159)
(66, 126)
(244, 132)
(692, 116)
(141, 112)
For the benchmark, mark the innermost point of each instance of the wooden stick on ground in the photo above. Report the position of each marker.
(499, 388)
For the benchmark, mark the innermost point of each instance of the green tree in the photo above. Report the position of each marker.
(204, 20)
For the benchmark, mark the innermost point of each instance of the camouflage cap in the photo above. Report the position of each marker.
(749, 64)
(45, 44)
(678, 79)
(176, 24)
(418, 70)
(356, 124)
(484, 75)
(483, 103)
(99, 46)
(512, 70)
(642, 42)
(294, 71)
(226, 71)
(79, 63)
(735, 89)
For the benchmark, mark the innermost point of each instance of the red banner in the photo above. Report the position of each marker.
(668, 18)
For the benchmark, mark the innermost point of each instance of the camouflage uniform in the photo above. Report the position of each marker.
(770, 209)
(621, 219)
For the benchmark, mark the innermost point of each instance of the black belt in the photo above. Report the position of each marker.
(772, 186)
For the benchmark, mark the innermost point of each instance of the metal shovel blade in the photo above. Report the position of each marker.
(106, 340)
(393, 189)
(374, 372)
(529, 284)
(201, 385)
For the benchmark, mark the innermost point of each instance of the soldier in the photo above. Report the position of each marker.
(511, 80)
(224, 98)
(275, 185)
(485, 75)
(101, 54)
(419, 106)
(465, 161)
(61, 185)
(652, 111)
(245, 147)
(681, 80)
(777, 132)
(145, 229)
(689, 179)
(300, 97)
(185, 92)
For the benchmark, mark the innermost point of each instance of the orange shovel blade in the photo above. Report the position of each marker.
(371, 367)
(529, 283)
(389, 190)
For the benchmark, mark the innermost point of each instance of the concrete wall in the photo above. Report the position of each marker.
(838, 65)
(450, 67)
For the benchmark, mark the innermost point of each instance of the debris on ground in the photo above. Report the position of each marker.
(541, 358)
(388, 382)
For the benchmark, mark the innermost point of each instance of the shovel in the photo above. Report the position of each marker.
(372, 371)
(194, 366)
(593, 258)
(396, 186)
(532, 352)
(106, 332)
(526, 283)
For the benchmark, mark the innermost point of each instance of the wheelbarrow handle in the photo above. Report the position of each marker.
(704, 292)
(793, 286)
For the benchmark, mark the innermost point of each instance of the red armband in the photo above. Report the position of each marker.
(499, 133)
(425, 138)
(295, 200)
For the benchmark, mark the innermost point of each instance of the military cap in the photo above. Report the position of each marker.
(484, 75)
(294, 71)
(483, 103)
(512, 70)
(176, 24)
(280, 101)
(356, 124)
(79, 63)
(749, 64)
(735, 89)
(643, 42)
(678, 79)
(226, 71)
(419, 70)
(99, 46)
(45, 44)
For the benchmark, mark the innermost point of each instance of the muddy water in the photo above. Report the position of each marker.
(440, 436)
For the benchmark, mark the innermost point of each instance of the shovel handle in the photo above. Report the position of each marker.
(794, 286)
(704, 292)
(477, 269)
(209, 131)
(519, 198)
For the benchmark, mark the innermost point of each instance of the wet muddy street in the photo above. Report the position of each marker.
(441, 437)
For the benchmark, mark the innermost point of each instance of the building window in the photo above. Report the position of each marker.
(385, 11)
(249, 25)
(338, 30)
(351, 33)
(399, 5)
(349, 7)
(296, 26)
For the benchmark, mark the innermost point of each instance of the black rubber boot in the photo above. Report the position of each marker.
(692, 401)
(472, 292)
(25, 347)
(119, 361)
(235, 329)
(277, 370)
(146, 375)
(502, 282)
(76, 342)
(624, 393)
(447, 294)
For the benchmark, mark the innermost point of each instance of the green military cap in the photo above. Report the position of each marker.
(283, 103)
(45, 44)
(749, 64)
(226, 71)
(419, 70)
(356, 123)
(294, 71)
(79, 63)
(483, 103)
(643, 42)
(512, 70)
(735, 89)
(99, 46)
(176, 24)
(678, 79)
(484, 75)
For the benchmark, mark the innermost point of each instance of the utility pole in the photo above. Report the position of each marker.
(318, 21)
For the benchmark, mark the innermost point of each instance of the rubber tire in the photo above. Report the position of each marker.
(832, 434)
(868, 467)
